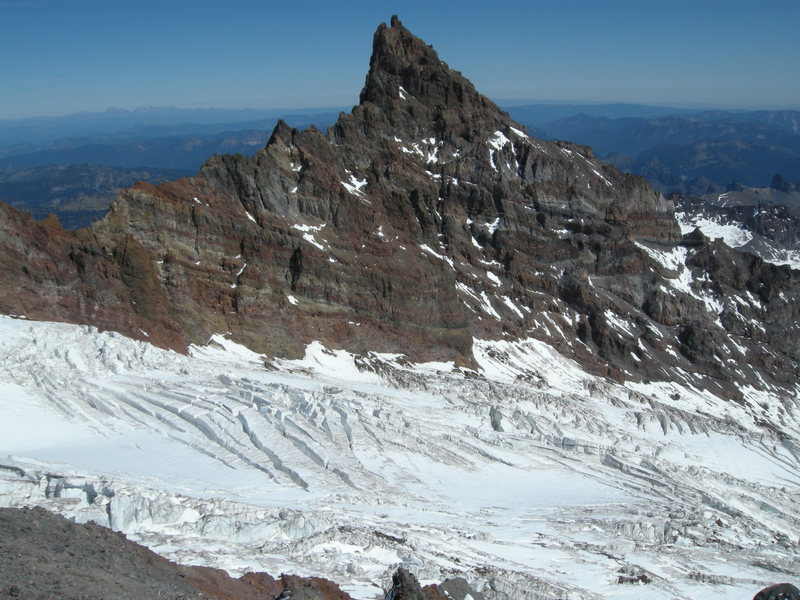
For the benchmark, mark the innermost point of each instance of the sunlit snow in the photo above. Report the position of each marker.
(527, 475)
(733, 235)
(432, 252)
(354, 186)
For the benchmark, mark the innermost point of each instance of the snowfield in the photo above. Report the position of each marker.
(734, 235)
(530, 478)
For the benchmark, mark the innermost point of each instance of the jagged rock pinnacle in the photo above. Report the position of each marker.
(402, 60)
(427, 217)
(282, 132)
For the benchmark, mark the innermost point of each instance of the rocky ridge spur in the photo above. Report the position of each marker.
(424, 219)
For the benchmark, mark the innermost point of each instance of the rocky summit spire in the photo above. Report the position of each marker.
(425, 219)
(403, 66)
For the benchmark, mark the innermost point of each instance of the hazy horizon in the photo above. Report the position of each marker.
(89, 55)
(502, 102)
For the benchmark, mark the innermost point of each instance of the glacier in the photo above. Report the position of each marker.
(529, 477)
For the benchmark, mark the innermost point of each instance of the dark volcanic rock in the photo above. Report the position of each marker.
(43, 555)
(422, 220)
(405, 587)
(457, 588)
(48, 273)
(77, 193)
(781, 591)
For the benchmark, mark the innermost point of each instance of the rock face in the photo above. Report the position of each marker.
(782, 591)
(406, 587)
(422, 220)
(43, 555)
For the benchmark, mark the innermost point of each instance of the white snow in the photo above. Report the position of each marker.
(601, 176)
(520, 133)
(498, 140)
(432, 252)
(487, 307)
(312, 240)
(618, 323)
(354, 186)
(733, 235)
(308, 233)
(510, 304)
(241, 270)
(308, 228)
(427, 149)
(675, 260)
(529, 474)
(790, 258)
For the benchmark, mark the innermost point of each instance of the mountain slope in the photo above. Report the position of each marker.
(747, 219)
(424, 219)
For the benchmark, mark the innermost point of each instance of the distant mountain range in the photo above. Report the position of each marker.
(173, 152)
(679, 150)
(142, 123)
(74, 165)
(682, 151)
(79, 193)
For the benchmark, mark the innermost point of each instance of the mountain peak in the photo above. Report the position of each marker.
(402, 66)
(424, 220)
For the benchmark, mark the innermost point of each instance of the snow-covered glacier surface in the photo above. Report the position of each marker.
(530, 478)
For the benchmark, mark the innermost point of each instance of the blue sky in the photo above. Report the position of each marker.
(64, 56)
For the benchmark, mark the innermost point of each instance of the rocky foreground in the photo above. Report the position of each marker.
(45, 556)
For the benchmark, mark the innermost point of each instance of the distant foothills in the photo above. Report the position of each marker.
(73, 165)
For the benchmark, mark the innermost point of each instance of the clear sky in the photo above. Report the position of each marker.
(62, 56)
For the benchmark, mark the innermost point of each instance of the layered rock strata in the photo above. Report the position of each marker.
(421, 220)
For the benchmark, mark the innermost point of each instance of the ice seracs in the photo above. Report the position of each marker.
(526, 473)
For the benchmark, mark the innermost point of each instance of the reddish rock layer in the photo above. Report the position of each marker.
(424, 218)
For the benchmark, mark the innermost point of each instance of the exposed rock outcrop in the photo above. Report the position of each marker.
(43, 555)
(781, 591)
(406, 587)
(423, 219)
